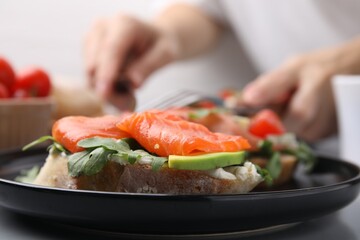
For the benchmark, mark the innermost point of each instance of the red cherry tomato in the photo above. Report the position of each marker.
(205, 104)
(266, 122)
(226, 93)
(34, 81)
(7, 74)
(20, 93)
(4, 92)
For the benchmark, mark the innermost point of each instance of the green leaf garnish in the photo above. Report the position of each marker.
(98, 151)
(76, 162)
(274, 165)
(157, 163)
(29, 175)
(108, 143)
(199, 113)
(58, 147)
(265, 175)
(265, 148)
(302, 152)
(132, 157)
(88, 162)
(96, 161)
(55, 146)
(129, 156)
(124, 158)
(305, 155)
(37, 142)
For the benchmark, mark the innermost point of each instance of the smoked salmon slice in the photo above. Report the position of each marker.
(218, 122)
(69, 131)
(165, 134)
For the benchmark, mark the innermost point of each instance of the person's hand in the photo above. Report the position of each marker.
(125, 49)
(303, 85)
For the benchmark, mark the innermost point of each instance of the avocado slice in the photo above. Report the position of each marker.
(206, 161)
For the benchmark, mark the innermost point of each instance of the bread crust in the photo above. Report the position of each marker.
(140, 178)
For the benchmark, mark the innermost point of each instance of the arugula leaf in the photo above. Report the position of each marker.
(305, 155)
(98, 151)
(199, 113)
(38, 141)
(88, 162)
(108, 143)
(133, 156)
(265, 175)
(76, 162)
(55, 146)
(120, 158)
(265, 148)
(58, 147)
(274, 165)
(97, 160)
(29, 175)
(130, 157)
(157, 163)
(204, 112)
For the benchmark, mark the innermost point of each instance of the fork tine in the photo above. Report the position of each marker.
(182, 99)
(157, 102)
(178, 98)
(170, 99)
(185, 97)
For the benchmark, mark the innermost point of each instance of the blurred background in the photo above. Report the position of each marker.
(50, 34)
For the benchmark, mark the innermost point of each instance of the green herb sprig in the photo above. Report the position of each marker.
(55, 146)
(199, 113)
(99, 151)
(265, 175)
(303, 153)
(28, 175)
(273, 165)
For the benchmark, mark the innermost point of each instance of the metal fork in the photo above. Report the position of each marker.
(185, 97)
(176, 98)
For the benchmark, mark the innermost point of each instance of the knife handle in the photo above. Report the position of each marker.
(122, 86)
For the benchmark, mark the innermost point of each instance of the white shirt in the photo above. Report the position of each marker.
(267, 31)
(273, 30)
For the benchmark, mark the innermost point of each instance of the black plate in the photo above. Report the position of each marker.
(332, 185)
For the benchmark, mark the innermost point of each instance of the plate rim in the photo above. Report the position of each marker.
(213, 207)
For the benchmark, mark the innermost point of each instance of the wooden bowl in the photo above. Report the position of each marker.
(24, 120)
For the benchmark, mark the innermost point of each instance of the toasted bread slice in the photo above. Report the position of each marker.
(140, 178)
